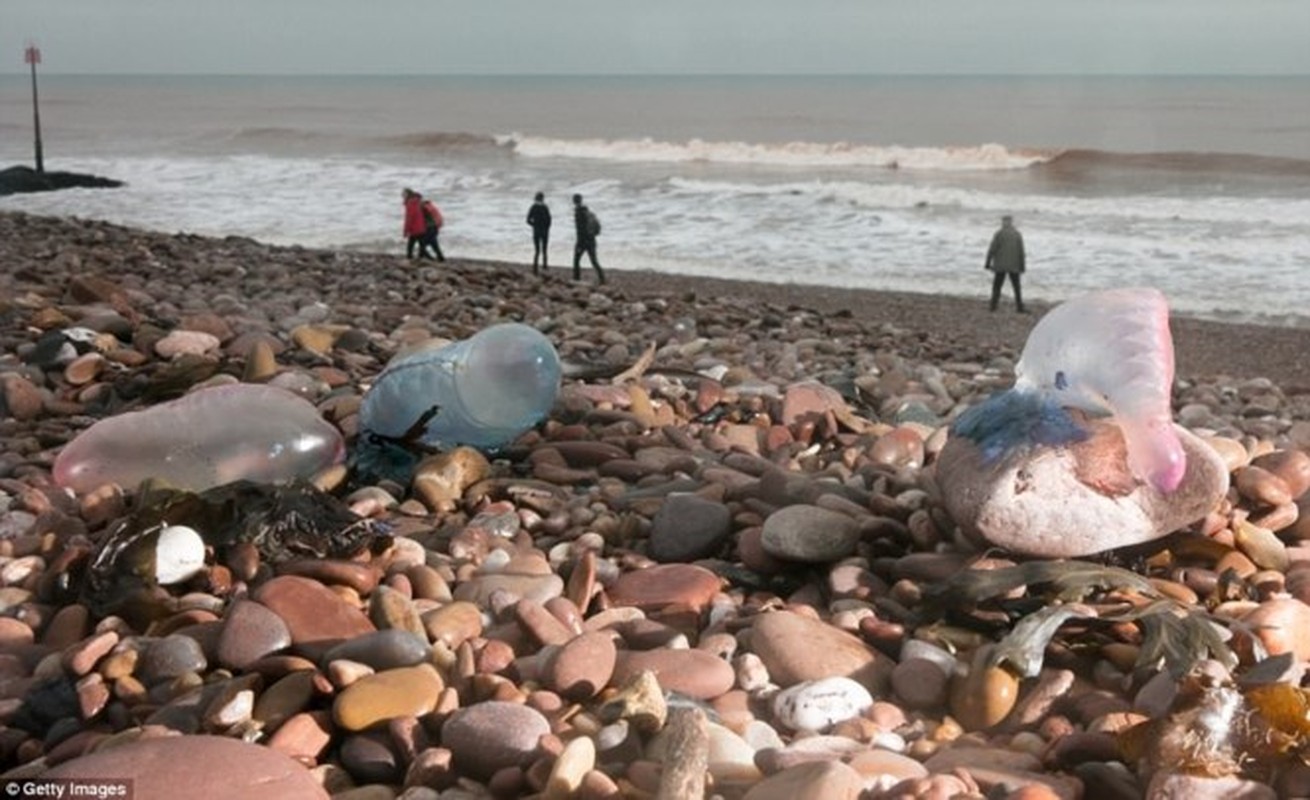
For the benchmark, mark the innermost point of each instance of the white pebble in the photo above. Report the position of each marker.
(559, 554)
(887, 740)
(760, 735)
(179, 554)
(818, 705)
(752, 674)
(731, 757)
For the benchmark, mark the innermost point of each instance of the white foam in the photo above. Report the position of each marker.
(789, 154)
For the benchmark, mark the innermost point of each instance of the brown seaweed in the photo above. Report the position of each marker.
(1175, 636)
(283, 522)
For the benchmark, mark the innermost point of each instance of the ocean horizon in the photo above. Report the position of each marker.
(1199, 186)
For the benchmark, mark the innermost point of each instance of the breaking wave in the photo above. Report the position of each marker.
(785, 154)
(1070, 161)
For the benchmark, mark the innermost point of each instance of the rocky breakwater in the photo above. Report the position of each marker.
(25, 179)
(723, 568)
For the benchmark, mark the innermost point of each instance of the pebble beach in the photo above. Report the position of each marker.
(721, 567)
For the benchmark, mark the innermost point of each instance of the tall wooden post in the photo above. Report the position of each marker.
(32, 56)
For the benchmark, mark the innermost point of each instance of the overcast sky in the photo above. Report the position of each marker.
(611, 37)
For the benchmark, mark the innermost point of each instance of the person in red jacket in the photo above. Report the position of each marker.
(416, 226)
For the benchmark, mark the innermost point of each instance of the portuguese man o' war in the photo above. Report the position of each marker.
(204, 439)
(483, 391)
(1104, 353)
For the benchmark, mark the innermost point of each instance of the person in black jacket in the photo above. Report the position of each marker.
(588, 228)
(1006, 257)
(539, 219)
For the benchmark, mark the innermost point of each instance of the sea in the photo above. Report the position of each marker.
(1199, 186)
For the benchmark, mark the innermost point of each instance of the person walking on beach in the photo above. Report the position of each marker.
(539, 219)
(1005, 256)
(432, 222)
(588, 228)
(416, 228)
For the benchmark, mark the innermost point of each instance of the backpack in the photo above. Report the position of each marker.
(593, 223)
(432, 214)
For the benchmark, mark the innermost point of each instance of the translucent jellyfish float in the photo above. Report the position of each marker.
(483, 391)
(1107, 353)
(207, 438)
(1082, 455)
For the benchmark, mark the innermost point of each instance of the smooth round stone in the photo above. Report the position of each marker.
(1262, 486)
(750, 549)
(391, 609)
(649, 634)
(1282, 625)
(920, 683)
(1292, 466)
(15, 635)
(819, 705)
(233, 706)
(732, 758)
(197, 768)
(21, 397)
(899, 447)
(654, 588)
(288, 696)
(317, 617)
(809, 400)
(170, 657)
(538, 623)
(920, 649)
(250, 631)
(403, 692)
(806, 749)
(360, 577)
(19, 570)
(809, 534)
(688, 527)
(180, 342)
(581, 454)
(1071, 501)
(179, 554)
(817, 780)
(984, 696)
(303, 736)
(428, 583)
(382, 650)
(571, 766)
(490, 736)
(795, 648)
(369, 759)
(343, 673)
(695, 673)
(883, 765)
(581, 667)
(453, 623)
(540, 588)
